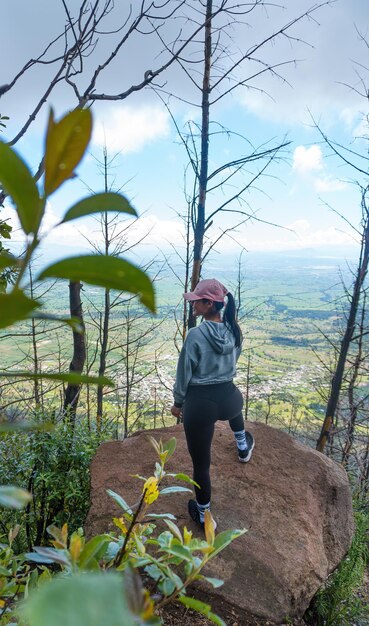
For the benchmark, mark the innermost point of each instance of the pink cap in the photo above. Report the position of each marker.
(210, 289)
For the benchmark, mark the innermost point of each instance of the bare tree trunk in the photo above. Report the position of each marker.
(36, 382)
(187, 275)
(337, 378)
(128, 383)
(364, 474)
(199, 231)
(103, 351)
(105, 326)
(79, 353)
(353, 407)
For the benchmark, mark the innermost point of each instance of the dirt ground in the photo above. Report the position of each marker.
(180, 616)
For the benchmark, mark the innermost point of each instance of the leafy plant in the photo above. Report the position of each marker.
(169, 559)
(54, 465)
(338, 602)
(65, 145)
(15, 572)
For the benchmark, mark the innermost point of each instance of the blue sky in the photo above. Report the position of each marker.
(151, 162)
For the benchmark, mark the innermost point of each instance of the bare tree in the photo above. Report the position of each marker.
(222, 71)
(79, 352)
(351, 325)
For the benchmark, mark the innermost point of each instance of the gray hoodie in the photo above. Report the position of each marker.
(208, 356)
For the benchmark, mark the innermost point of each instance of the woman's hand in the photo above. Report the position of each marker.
(176, 411)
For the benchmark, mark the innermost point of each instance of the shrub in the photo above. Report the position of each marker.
(338, 603)
(54, 466)
(100, 580)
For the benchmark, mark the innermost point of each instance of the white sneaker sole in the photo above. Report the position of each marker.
(248, 457)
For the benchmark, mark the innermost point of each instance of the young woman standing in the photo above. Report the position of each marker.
(204, 391)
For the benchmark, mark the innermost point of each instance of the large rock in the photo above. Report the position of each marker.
(294, 501)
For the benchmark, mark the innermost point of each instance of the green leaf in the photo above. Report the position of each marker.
(185, 478)
(174, 528)
(18, 182)
(66, 143)
(105, 271)
(203, 608)
(180, 551)
(165, 539)
(90, 599)
(7, 260)
(38, 558)
(50, 554)
(93, 549)
(169, 447)
(98, 203)
(15, 306)
(174, 489)
(68, 377)
(167, 586)
(5, 230)
(216, 582)
(153, 571)
(120, 501)
(225, 538)
(14, 497)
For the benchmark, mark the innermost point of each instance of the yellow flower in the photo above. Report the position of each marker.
(151, 490)
(119, 522)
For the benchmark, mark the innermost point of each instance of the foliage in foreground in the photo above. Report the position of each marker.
(65, 145)
(54, 465)
(122, 578)
(338, 602)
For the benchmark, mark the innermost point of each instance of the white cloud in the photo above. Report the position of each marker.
(307, 159)
(152, 230)
(298, 235)
(300, 240)
(166, 234)
(299, 226)
(128, 129)
(323, 185)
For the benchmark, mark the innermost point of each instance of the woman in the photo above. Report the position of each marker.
(204, 391)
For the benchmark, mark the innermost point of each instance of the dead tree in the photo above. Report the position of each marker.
(66, 58)
(351, 324)
(224, 70)
(355, 404)
(79, 353)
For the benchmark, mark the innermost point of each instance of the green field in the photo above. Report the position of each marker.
(289, 307)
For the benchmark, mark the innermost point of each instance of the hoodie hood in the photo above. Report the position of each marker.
(218, 335)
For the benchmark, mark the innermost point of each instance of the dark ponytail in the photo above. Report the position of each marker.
(229, 318)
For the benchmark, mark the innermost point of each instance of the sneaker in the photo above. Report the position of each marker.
(245, 455)
(195, 515)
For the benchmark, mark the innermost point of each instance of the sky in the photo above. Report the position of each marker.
(296, 204)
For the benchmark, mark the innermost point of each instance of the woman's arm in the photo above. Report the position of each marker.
(187, 363)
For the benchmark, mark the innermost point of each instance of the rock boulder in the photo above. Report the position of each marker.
(294, 501)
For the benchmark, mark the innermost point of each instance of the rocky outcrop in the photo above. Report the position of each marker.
(294, 501)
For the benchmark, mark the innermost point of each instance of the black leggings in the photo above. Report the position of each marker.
(203, 406)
